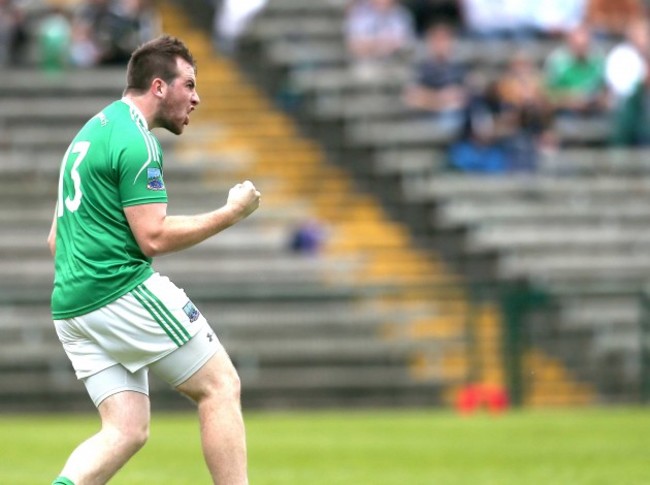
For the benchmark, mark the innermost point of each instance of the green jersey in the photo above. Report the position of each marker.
(566, 74)
(112, 163)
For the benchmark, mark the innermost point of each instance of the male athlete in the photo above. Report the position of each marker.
(115, 316)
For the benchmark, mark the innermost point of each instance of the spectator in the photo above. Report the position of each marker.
(439, 86)
(119, 27)
(480, 147)
(627, 79)
(626, 65)
(507, 124)
(230, 19)
(527, 115)
(83, 49)
(130, 23)
(54, 40)
(148, 19)
(575, 75)
(378, 30)
(497, 18)
(94, 13)
(557, 17)
(427, 13)
(13, 33)
(522, 83)
(610, 19)
(522, 18)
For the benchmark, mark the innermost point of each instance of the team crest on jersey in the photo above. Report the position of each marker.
(154, 179)
(191, 311)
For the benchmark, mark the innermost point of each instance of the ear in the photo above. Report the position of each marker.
(158, 88)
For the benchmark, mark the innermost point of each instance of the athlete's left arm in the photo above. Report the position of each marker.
(51, 238)
(157, 233)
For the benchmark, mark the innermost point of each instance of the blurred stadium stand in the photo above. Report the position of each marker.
(427, 280)
(561, 252)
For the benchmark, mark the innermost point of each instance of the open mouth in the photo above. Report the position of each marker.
(187, 116)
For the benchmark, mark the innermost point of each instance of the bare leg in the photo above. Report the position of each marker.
(125, 428)
(216, 390)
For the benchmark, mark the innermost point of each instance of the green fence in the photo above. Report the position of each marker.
(595, 337)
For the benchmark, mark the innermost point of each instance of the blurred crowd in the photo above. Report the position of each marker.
(76, 34)
(87, 33)
(13, 32)
(505, 118)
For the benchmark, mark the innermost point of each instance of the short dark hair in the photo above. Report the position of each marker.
(156, 58)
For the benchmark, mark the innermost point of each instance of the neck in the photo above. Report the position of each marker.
(146, 105)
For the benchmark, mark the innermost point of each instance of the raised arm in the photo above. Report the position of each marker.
(157, 233)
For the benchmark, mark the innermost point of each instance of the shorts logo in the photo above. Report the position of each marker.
(191, 311)
(154, 179)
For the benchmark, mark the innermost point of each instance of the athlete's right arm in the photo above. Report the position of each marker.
(51, 238)
(157, 233)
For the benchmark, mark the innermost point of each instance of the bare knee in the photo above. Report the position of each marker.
(128, 436)
(231, 387)
(226, 387)
(125, 421)
(138, 436)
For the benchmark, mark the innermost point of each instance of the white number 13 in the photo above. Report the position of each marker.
(80, 148)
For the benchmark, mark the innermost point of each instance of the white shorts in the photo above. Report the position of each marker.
(153, 326)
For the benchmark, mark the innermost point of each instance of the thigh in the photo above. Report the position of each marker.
(116, 380)
(184, 362)
(218, 375)
(126, 411)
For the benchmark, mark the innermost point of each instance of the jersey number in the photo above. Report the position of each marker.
(81, 149)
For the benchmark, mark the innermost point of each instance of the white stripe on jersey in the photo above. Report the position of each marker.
(152, 148)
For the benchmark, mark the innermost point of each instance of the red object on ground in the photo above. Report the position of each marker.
(474, 397)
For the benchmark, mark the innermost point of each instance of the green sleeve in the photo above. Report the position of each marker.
(140, 173)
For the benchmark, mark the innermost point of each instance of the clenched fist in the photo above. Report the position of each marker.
(244, 198)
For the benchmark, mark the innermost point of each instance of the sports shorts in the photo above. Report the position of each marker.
(154, 326)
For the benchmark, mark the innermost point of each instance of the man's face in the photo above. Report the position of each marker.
(439, 42)
(383, 5)
(180, 99)
(638, 35)
(579, 42)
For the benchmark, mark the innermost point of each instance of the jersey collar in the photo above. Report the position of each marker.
(136, 111)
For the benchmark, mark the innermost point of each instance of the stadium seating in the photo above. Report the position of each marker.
(578, 226)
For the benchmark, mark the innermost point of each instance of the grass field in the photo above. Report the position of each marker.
(374, 448)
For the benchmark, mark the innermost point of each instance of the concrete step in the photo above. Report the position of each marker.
(80, 83)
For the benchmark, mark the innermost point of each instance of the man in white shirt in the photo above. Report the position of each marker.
(627, 64)
(626, 75)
